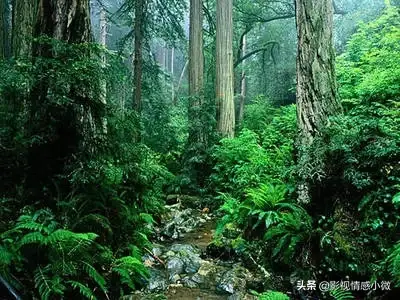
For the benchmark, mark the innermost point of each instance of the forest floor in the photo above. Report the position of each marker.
(183, 267)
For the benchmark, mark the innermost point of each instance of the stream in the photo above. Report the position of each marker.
(181, 266)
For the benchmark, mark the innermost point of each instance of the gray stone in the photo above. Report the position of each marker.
(188, 282)
(175, 266)
(234, 280)
(157, 281)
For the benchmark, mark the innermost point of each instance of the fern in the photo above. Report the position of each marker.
(97, 278)
(340, 294)
(128, 268)
(47, 286)
(271, 295)
(393, 264)
(83, 289)
(291, 231)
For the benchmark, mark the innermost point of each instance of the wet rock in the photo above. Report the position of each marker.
(189, 257)
(157, 251)
(175, 278)
(192, 263)
(234, 280)
(157, 281)
(184, 248)
(180, 221)
(175, 266)
(189, 282)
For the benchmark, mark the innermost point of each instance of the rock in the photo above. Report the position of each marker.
(175, 266)
(234, 280)
(157, 251)
(180, 221)
(206, 269)
(192, 263)
(169, 253)
(188, 282)
(189, 255)
(184, 249)
(175, 278)
(242, 296)
(157, 281)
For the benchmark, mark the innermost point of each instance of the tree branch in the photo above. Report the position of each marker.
(237, 62)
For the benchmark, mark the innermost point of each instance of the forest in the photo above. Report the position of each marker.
(199, 149)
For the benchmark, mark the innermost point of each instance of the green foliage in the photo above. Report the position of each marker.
(250, 158)
(392, 264)
(73, 260)
(339, 294)
(272, 295)
(369, 67)
(290, 235)
(75, 201)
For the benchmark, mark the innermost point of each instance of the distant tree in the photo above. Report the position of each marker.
(103, 42)
(224, 69)
(317, 97)
(139, 23)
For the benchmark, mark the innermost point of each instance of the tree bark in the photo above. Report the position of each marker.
(316, 97)
(23, 18)
(103, 42)
(196, 70)
(138, 56)
(68, 21)
(3, 29)
(224, 69)
(172, 75)
(65, 20)
(242, 83)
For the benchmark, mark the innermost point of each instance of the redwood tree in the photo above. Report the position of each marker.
(317, 97)
(23, 19)
(196, 69)
(224, 68)
(140, 10)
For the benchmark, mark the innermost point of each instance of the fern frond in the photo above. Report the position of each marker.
(92, 272)
(47, 286)
(83, 289)
(25, 222)
(273, 295)
(33, 238)
(340, 294)
(393, 263)
(127, 267)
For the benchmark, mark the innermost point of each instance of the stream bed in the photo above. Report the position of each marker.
(180, 267)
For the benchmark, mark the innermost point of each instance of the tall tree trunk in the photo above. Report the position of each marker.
(3, 29)
(178, 87)
(23, 18)
(172, 75)
(103, 42)
(196, 70)
(242, 83)
(68, 21)
(316, 82)
(138, 56)
(224, 69)
(65, 20)
(72, 125)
